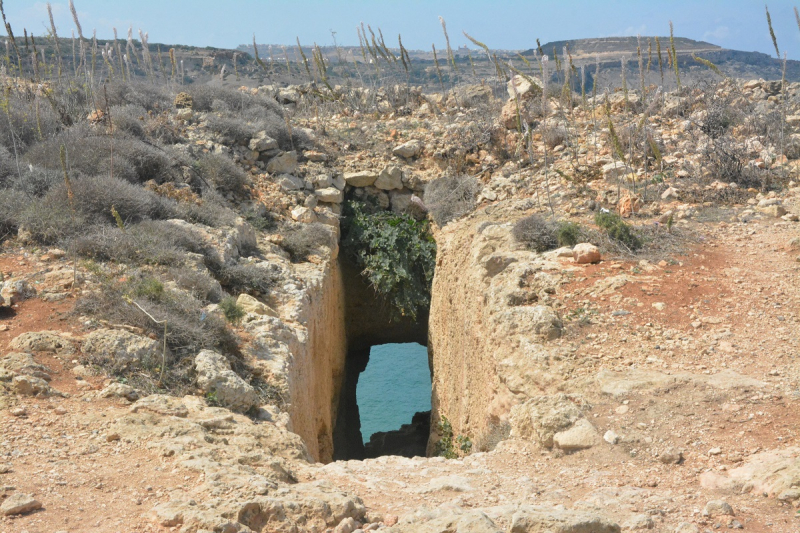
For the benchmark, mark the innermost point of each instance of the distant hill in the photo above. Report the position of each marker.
(610, 51)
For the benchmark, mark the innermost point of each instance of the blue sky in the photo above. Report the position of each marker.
(512, 24)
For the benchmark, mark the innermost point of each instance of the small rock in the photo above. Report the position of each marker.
(659, 306)
(390, 178)
(250, 304)
(304, 214)
(775, 211)
(214, 376)
(586, 253)
(60, 410)
(686, 527)
(669, 194)
(364, 178)
(671, 457)
(330, 195)
(29, 385)
(120, 390)
(580, 436)
(263, 142)
(4, 469)
(111, 437)
(622, 409)
(789, 495)
(611, 437)
(18, 411)
(348, 525)
(735, 524)
(409, 149)
(390, 519)
(284, 163)
(718, 508)
(19, 503)
(715, 451)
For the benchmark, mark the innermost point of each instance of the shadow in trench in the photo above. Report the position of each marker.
(368, 324)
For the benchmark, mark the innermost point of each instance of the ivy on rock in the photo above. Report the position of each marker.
(396, 255)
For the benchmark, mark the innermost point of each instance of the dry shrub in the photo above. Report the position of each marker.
(89, 152)
(246, 277)
(197, 283)
(304, 240)
(221, 172)
(152, 242)
(451, 197)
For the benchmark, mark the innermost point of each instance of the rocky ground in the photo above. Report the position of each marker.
(673, 383)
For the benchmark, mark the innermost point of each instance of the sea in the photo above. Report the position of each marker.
(395, 385)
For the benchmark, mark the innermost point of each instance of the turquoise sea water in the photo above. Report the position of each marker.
(395, 385)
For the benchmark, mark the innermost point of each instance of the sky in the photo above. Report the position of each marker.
(509, 24)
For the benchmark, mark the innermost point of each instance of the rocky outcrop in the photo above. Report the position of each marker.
(216, 379)
(490, 325)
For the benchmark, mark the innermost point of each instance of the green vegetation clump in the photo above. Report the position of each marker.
(569, 233)
(233, 312)
(397, 255)
(448, 446)
(618, 230)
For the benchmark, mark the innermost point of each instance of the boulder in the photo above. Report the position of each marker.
(580, 436)
(534, 519)
(120, 390)
(42, 341)
(29, 386)
(214, 376)
(586, 253)
(613, 170)
(541, 417)
(263, 142)
(19, 503)
(409, 149)
(390, 178)
(119, 345)
(290, 183)
(252, 305)
(718, 508)
(284, 163)
(330, 195)
(17, 290)
(522, 88)
(304, 214)
(365, 178)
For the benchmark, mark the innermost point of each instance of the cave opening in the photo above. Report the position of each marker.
(398, 351)
(394, 400)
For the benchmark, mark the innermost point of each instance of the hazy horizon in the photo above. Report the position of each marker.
(734, 24)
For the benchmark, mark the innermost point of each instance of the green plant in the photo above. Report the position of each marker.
(396, 254)
(233, 312)
(149, 288)
(449, 446)
(568, 233)
(618, 230)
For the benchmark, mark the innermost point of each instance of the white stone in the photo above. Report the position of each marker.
(330, 195)
(611, 437)
(408, 149)
(250, 304)
(580, 436)
(390, 178)
(365, 178)
(214, 376)
(284, 163)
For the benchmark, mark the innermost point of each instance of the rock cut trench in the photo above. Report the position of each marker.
(368, 324)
